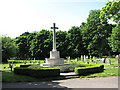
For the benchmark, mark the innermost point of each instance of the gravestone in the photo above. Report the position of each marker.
(90, 57)
(86, 57)
(82, 58)
(93, 57)
(103, 60)
(54, 59)
(68, 58)
(76, 60)
(108, 61)
(117, 58)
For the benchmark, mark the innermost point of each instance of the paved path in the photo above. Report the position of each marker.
(109, 82)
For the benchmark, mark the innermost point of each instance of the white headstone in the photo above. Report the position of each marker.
(76, 60)
(82, 58)
(103, 60)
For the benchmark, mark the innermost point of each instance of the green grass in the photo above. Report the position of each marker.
(110, 71)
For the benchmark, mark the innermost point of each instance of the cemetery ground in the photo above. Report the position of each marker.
(9, 76)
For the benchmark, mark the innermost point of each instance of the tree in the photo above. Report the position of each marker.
(23, 49)
(60, 42)
(40, 39)
(74, 42)
(94, 34)
(114, 39)
(111, 11)
(8, 48)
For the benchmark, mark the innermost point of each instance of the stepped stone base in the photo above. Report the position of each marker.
(54, 60)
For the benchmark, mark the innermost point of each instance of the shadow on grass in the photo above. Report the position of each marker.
(8, 76)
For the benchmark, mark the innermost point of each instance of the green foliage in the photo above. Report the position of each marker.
(23, 49)
(111, 11)
(89, 70)
(94, 34)
(114, 39)
(39, 73)
(74, 42)
(9, 48)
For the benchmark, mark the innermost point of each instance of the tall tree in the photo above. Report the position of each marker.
(23, 49)
(74, 42)
(95, 34)
(8, 48)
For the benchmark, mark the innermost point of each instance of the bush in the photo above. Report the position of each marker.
(88, 70)
(39, 73)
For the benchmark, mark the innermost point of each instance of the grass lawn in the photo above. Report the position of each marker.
(8, 76)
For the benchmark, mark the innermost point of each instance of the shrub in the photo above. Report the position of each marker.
(88, 70)
(39, 73)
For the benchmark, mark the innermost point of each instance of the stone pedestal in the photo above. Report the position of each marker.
(54, 59)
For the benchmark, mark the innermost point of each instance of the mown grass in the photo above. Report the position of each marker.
(8, 76)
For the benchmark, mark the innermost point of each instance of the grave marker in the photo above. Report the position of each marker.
(82, 58)
(108, 61)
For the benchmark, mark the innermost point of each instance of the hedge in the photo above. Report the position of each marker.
(88, 70)
(39, 73)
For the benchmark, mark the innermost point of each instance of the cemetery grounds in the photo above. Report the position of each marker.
(9, 76)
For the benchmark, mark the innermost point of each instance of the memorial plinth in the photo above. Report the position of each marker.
(54, 59)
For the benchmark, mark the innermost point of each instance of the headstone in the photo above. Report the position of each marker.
(90, 57)
(108, 61)
(93, 57)
(68, 58)
(76, 60)
(86, 57)
(117, 59)
(82, 58)
(103, 60)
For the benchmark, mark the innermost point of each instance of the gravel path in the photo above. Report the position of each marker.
(108, 82)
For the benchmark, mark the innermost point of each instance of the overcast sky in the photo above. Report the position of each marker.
(19, 16)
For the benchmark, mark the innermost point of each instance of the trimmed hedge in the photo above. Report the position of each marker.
(39, 73)
(89, 70)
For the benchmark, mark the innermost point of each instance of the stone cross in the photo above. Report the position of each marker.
(54, 37)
